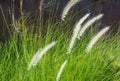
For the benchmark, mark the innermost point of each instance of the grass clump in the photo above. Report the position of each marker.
(100, 64)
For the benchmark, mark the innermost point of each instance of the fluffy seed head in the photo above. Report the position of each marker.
(67, 8)
(60, 71)
(39, 55)
(96, 38)
(75, 32)
(88, 24)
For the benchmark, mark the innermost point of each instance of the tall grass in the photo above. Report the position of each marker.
(100, 64)
(26, 48)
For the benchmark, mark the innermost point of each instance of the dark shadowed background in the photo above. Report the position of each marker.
(110, 9)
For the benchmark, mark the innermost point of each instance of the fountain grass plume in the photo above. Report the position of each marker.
(96, 38)
(67, 8)
(60, 71)
(39, 55)
(75, 32)
(88, 24)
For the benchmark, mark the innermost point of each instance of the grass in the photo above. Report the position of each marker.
(100, 64)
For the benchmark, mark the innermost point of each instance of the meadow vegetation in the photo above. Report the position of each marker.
(59, 51)
(100, 64)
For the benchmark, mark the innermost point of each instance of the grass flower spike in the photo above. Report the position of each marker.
(39, 55)
(75, 32)
(60, 71)
(68, 7)
(88, 24)
(96, 38)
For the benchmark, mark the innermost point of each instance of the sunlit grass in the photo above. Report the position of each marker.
(100, 64)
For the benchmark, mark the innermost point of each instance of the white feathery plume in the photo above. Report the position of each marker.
(60, 71)
(67, 8)
(89, 23)
(39, 55)
(75, 32)
(96, 38)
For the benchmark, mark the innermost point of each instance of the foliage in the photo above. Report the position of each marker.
(100, 64)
